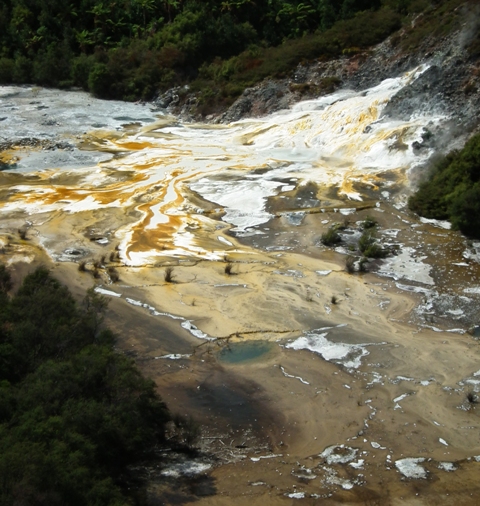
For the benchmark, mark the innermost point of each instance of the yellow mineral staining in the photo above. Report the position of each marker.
(248, 138)
(299, 126)
(397, 139)
(159, 238)
(367, 117)
(372, 180)
(134, 146)
(148, 173)
(346, 188)
(9, 157)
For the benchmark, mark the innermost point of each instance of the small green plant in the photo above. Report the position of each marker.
(331, 236)
(330, 84)
(369, 222)
(369, 247)
(362, 265)
(365, 241)
(375, 251)
(168, 274)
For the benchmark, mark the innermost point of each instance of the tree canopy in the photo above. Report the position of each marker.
(130, 49)
(73, 412)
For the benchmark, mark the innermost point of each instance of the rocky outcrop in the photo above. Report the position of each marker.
(267, 97)
(33, 142)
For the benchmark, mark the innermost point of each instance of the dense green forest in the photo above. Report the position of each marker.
(131, 49)
(73, 412)
(452, 192)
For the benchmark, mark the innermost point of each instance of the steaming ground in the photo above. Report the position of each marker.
(310, 383)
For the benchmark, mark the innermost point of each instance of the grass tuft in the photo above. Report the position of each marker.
(168, 274)
(113, 273)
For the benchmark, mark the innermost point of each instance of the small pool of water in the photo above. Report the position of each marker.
(235, 353)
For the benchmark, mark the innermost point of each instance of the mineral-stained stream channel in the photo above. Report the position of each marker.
(309, 383)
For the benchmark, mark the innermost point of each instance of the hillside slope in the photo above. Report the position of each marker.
(449, 84)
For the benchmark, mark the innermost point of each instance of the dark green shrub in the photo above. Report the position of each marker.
(369, 222)
(366, 240)
(7, 67)
(375, 251)
(430, 199)
(74, 414)
(22, 72)
(464, 210)
(331, 237)
(81, 68)
(369, 247)
(452, 191)
(52, 66)
(99, 80)
(329, 84)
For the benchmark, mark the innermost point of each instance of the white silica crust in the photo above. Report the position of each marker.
(410, 467)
